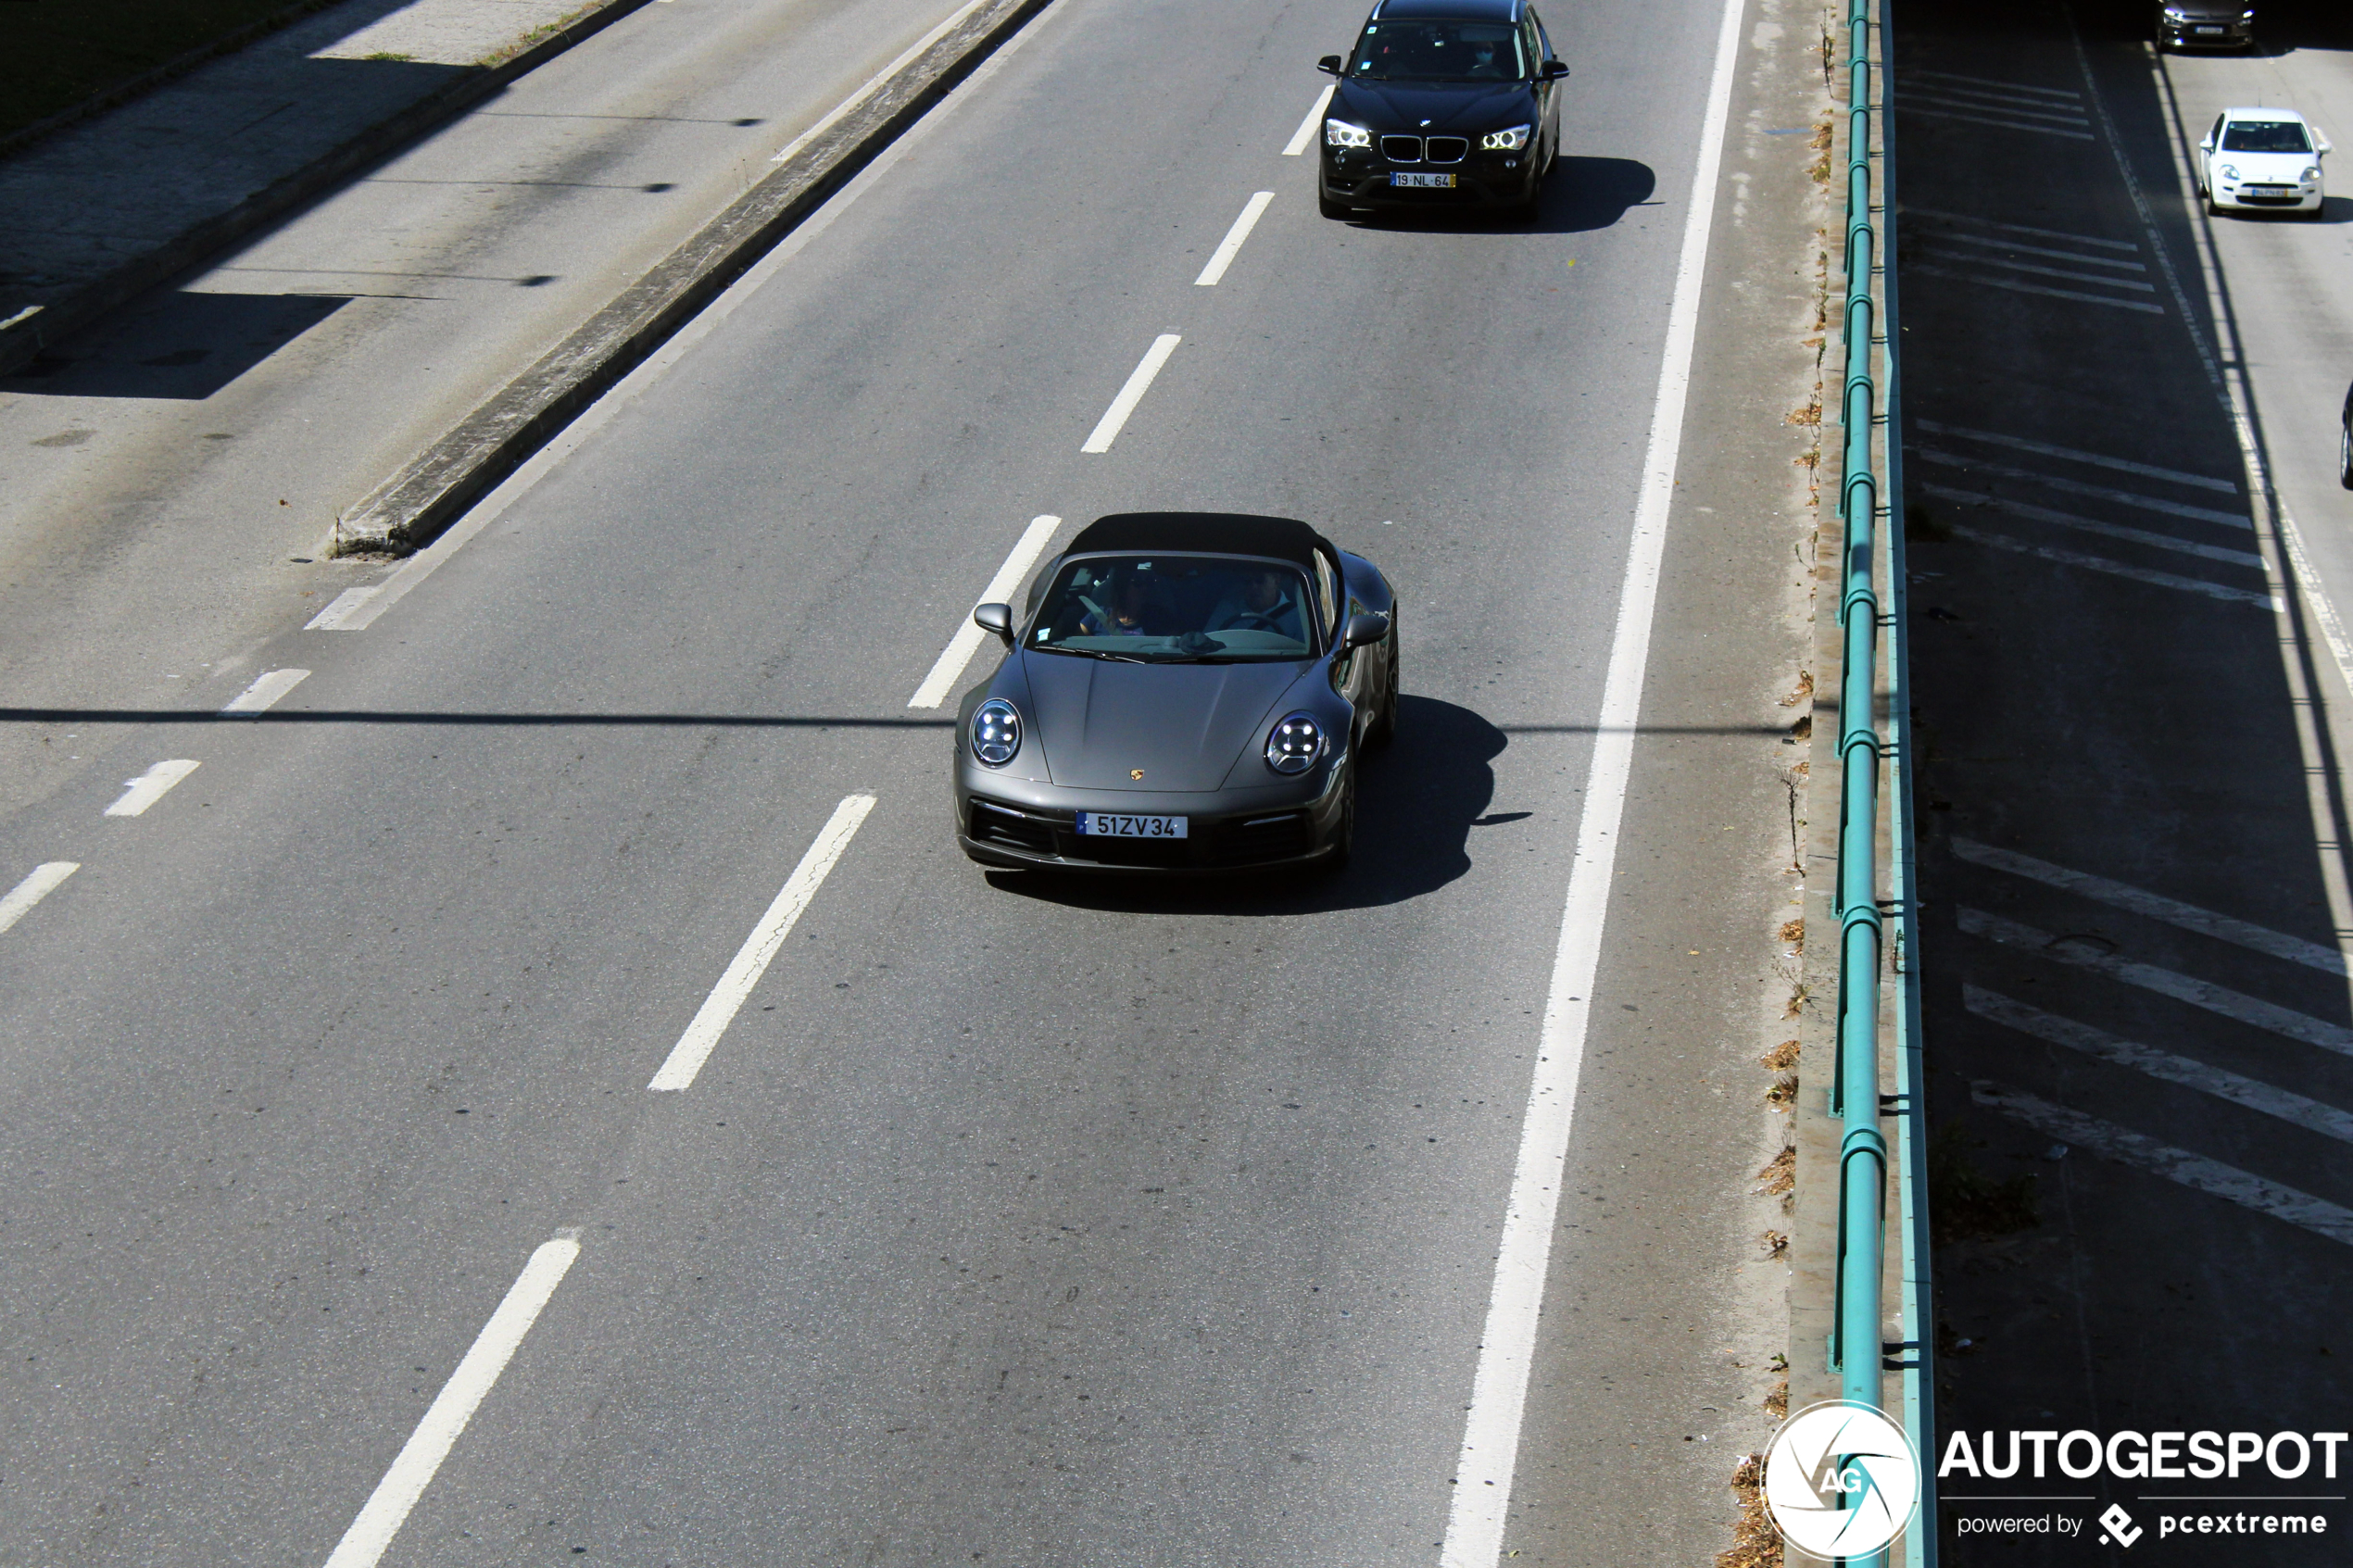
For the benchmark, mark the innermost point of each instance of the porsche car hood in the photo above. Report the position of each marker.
(1099, 721)
(1458, 109)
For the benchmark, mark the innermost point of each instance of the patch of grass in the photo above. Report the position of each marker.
(55, 55)
(1965, 1204)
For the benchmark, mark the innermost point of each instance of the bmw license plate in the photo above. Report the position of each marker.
(1112, 825)
(1432, 181)
(2205, 30)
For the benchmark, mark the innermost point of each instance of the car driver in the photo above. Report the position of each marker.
(1268, 604)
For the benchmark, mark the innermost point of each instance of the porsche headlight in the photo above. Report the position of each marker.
(1509, 140)
(1295, 744)
(1340, 133)
(995, 732)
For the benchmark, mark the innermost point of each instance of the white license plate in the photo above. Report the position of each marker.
(2205, 30)
(1431, 182)
(1112, 825)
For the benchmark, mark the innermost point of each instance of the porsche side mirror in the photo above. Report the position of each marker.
(1329, 65)
(1551, 70)
(998, 619)
(1365, 626)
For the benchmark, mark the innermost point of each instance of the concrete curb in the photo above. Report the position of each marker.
(411, 508)
(56, 320)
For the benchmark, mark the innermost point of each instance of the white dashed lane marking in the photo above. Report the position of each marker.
(266, 690)
(33, 889)
(967, 639)
(387, 1508)
(150, 786)
(710, 1021)
(1114, 417)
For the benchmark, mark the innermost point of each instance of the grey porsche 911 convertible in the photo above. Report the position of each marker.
(1183, 692)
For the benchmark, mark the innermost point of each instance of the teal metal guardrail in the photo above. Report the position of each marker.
(1872, 536)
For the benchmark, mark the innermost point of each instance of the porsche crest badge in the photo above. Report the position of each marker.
(1135, 773)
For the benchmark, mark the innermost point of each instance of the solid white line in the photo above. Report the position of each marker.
(267, 688)
(2268, 1016)
(2044, 448)
(875, 82)
(1231, 246)
(1990, 242)
(1107, 428)
(2117, 569)
(2156, 906)
(35, 888)
(387, 1508)
(960, 647)
(751, 961)
(2143, 306)
(2325, 1120)
(1911, 211)
(1907, 107)
(1308, 127)
(1484, 1470)
(2077, 487)
(2093, 525)
(2126, 1147)
(1989, 81)
(150, 786)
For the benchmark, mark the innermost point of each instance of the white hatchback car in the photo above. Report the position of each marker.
(2262, 160)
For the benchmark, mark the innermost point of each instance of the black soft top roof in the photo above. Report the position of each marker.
(1217, 533)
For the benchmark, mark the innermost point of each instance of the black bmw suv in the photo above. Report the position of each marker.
(1443, 102)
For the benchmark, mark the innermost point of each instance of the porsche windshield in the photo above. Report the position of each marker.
(2265, 136)
(1438, 51)
(1177, 609)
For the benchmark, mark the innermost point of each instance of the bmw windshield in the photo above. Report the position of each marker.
(1176, 609)
(1440, 50)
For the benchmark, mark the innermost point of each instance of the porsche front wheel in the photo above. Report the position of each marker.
(1384, 729)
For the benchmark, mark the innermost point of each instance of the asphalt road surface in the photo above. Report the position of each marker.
(1006, 1220)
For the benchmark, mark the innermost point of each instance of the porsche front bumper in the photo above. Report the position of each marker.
(1017, 822)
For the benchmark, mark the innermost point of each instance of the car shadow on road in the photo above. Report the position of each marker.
(1580, 195)
(1416, 802)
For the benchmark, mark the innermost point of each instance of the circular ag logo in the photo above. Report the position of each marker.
(1841, 1479)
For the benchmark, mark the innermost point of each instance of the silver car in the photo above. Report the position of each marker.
(1183, 692)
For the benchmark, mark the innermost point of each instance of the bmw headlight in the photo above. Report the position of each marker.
(1340, 133)
(1295, 744)
(1509, 140)
(995, 732)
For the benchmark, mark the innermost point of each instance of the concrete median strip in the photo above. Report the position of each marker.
(411, 508)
